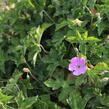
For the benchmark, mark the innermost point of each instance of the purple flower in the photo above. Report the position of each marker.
(77, 66)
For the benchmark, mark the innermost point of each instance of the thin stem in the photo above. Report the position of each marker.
(49, 16)
(44, 49)
(17, 87)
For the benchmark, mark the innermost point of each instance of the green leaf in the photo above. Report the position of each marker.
(74, 99)
(4, 106)
(84, 101)
(61, 25)
(104, 100)
(54, 84)
(30, 2)
(14, 78)
(38, 31)
(92, 39)
(78, 35)
(84, 2)
(85, 35)
(65, 93)
(5, 98)
(25, 102)
(101, 26)
(37, 50)
(105, 1)
(71, 39)
(58, 37)
(91, 3)
(100, 67)
(80, 80)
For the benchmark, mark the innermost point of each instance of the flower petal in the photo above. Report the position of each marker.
(75, 60)
(82, 61)
(71, 67)
(76, 73)
(83, 70)
(79, 72)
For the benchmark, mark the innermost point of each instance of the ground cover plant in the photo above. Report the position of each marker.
(54, 54)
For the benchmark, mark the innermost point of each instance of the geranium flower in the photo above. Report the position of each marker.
(77, 66)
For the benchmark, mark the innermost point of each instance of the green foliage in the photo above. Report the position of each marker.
(37, 40)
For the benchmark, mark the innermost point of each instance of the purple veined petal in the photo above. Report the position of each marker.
(71, 67)
(83, 70)
(82, 61)
(76, 73)
(75, 60)
(80, 71)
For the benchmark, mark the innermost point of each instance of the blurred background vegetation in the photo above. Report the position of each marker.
(37, 40)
